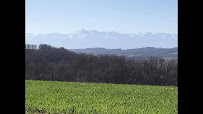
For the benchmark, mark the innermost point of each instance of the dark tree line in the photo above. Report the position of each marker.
(50, 63)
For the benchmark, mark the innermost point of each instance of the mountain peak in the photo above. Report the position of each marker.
(82, 31)
(92, 38)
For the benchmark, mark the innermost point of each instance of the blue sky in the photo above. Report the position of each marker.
(123, 16)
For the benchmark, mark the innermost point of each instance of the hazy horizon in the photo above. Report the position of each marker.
(100, 31)
(89, 39)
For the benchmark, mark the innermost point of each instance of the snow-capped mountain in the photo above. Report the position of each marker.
(111, 40)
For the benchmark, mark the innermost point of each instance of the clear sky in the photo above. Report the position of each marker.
(123, 16)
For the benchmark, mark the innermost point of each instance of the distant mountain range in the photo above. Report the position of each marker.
(167, 53)
(111, 40)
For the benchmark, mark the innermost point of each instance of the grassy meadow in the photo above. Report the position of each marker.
(98, 98)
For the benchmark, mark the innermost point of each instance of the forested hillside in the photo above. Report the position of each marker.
(133, 53)
(50, 63)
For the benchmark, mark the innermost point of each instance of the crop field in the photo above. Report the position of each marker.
(97, 98)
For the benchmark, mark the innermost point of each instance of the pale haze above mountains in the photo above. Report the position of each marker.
(111, 40)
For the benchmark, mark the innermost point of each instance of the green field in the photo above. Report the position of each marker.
(97, 98)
